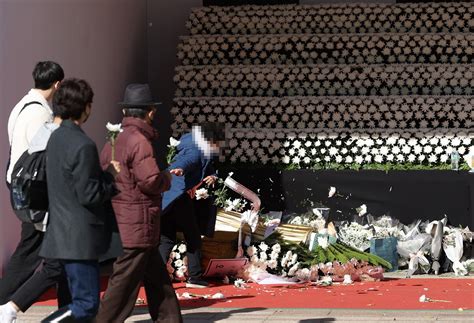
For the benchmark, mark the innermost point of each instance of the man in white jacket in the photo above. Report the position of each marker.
(26, 118)
(33, 110)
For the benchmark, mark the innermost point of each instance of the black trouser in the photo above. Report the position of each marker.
(181, 217)
(20, 283)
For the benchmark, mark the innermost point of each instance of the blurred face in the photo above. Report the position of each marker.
(217, 146)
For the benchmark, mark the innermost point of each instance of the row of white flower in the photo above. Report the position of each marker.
(327, 49)
(343, 18)
(291, 80)
(324, 112)
(320, 146)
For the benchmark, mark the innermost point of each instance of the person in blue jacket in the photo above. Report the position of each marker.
(180, 212)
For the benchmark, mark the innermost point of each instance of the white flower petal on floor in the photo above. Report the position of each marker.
(332, 191)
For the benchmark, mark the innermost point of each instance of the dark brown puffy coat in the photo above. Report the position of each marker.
(138, 205)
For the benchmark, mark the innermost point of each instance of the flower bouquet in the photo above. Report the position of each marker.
(177, 264)
(113, 131)
(172, 150)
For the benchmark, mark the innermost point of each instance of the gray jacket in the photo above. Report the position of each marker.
(39, 143)
(40, 140)
(79, 192)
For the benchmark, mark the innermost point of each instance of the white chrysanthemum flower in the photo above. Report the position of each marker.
(294, 258)
(274, 254)
(432, 158)
(251, 250)
(276, 248)
(423, 299)
(202, 193)
(114, 127)
(406, 149)
(332, 191)
(263, 246)
(254, 259)
(182, 248)
(293, 269)
(444, 141)
(240, 283)
(455, 142)
(272, 264)
(362, 210)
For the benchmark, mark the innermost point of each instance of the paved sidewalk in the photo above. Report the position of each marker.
(254, 315)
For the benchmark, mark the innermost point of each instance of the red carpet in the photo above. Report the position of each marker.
(394, 294)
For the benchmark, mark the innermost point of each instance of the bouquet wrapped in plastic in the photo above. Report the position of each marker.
(414, 250)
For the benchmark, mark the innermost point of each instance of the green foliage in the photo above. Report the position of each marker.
(172, 150)
(338, 251)
(335, 166)
(221, 193)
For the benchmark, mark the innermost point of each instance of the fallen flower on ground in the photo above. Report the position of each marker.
(218, 296)
(424, 299)
(240, 283)
(326, 281)
(347, 279)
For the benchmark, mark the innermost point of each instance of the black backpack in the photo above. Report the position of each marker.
(28, 191)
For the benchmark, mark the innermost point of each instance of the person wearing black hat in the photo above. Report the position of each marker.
(137, 208)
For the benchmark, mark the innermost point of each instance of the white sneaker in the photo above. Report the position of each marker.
(7, 314)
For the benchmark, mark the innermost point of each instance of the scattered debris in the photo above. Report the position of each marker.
(347, 280)
(332, 191)
(424, 299)
(240, 283)
(218, 296)
(326, 281)
(362, 210)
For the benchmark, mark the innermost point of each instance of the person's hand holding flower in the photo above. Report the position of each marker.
(113, 131)
(172, 149)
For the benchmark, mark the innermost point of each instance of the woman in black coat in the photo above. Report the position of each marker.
(78, 191)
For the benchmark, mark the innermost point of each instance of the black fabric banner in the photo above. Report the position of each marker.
(404, 195)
